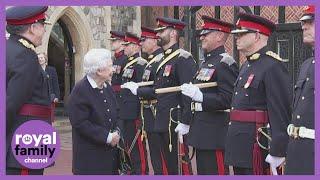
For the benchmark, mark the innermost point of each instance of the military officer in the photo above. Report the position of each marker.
(155, 53)
(130, 104)
(261, 96)
(210, 122)
(300, 154)
(120, 59)
(176, 67)
(27, 93)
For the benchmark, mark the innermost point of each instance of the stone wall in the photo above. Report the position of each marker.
(102, 19)
(126, 18)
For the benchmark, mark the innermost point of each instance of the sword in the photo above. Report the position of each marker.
(261, 130)
(183, 167)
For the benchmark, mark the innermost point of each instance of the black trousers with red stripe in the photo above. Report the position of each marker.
(138, 154)
(23, 171)
(210, 162)
(170, 159)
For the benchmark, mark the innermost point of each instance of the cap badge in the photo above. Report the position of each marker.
(255, 56)
(150, 56)
(168, 51)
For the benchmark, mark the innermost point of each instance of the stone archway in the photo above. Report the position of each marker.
(80, 32)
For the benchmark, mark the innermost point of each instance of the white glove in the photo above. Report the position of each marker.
(132, 86)
(111, 136)
(182, 129)
(274, 163)
(192, 91)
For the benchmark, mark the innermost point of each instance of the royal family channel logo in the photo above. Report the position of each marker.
(35, 144)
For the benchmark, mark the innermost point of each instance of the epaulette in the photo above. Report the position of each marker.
(26, 44)
(142, 61)
(184, 53)
(227, 59)
(275, 56)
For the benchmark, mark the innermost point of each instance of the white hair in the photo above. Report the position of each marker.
(95, 59)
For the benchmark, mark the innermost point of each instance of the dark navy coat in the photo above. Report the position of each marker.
(149, 75)
(54, 90)
(268, 91)
(300, 155)
(118, 64)
(173, 70)
(93, 114)
(26, 83)
(129, 103)
(209, 127)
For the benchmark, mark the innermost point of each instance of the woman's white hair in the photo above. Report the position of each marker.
(95, 59)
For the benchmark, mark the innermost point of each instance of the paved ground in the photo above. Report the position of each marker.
(63, 165)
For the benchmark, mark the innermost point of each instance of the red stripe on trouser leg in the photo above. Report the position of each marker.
(24, 171)
(257, 160)
(141, 152)
(185, 165)
(142, 155)
(220, 163)
(164, 165)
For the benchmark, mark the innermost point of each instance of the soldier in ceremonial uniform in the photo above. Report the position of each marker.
(300, 153)
(176, 67)
(120, 59)
(261, 96)
(130, 104)
(209, 126)
(27, 93)
(155, 53)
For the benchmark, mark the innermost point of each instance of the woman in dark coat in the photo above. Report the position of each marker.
(54, 90)
(93, 116)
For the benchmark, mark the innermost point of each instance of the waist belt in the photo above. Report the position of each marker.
(300, 132)
(197, 107)
(116, 88)
(39, 111)
(258, 117)
(146, 102)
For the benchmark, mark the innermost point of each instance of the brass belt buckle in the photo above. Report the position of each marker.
(293, 131)
(193, 107)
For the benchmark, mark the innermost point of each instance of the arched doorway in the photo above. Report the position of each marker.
(66, 42)
(60, 56)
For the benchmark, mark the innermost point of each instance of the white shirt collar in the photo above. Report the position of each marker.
(93, 83)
